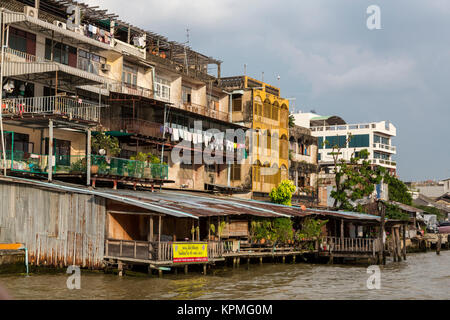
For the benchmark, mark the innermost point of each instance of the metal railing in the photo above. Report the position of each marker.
(138, 126)
(52, 105)
(126, 88)
(204, 111)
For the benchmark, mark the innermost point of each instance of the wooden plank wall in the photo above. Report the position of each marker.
(58, 228)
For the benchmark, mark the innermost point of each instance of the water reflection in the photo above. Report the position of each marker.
(422, 276)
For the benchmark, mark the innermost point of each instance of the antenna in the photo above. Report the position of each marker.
(185, 51)
(262, 76)
(245, 69)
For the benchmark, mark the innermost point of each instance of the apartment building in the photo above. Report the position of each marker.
(333, 131)
(303, 169)
(259, 106)
(68, 75)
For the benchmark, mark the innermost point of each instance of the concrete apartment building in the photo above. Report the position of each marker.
(62, 83)
(331, 131)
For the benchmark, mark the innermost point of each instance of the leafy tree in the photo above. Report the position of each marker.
(282, 194)
(311, 229)
(291, 120)
(433, 210)
(398, 191)
(354, 180)
(394, 212)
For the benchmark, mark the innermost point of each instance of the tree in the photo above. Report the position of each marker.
(355, 180)
(282, 194)
(398, 191)
(291, 120)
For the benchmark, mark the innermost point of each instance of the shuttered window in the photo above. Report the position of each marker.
(359, 141)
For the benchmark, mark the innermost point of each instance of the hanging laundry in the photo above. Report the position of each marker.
(175, 136)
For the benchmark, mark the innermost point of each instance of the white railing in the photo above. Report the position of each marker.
(13, 55)
(126, 88)
(55, 105)
(355, 245)
(384, 146)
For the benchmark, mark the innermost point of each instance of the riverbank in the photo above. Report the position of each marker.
(422, 276)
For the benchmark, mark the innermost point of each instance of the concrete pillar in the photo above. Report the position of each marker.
(50, 150)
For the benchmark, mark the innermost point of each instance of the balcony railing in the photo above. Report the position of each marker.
(71, 108)
(137, 126)
(153, 250)
(355, 245)
(384, 146)
(204, 111)
(32, 163)
(126, 88)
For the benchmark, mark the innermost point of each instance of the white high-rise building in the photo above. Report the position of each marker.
(376, 137)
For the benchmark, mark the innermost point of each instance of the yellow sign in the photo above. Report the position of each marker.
(190, 252)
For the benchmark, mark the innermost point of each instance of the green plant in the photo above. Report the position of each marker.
(397, 190)
(221, 227)
(78, 166)
(261, 229)
(212, 228)
(394, 212)
(311, 229)
(106, 142)
(282, 194)
(282, 230)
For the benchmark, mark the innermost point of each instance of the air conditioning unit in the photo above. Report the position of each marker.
(60, 24)
(30, 11)
(105, 67)
(79, 30)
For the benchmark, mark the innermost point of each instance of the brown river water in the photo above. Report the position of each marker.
(422, 276)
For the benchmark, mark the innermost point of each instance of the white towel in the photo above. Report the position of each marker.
(175, 136)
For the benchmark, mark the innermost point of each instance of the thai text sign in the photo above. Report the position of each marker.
(190, 252)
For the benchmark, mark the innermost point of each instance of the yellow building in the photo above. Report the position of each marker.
(259, 106)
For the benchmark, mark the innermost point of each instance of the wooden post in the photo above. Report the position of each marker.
(342, 230)
(198, 230)
(150, 236)
(438, 245)
(160, 273)
(284, 259)
(260, 260)
(404, 241)
(204, 269)
(238, 261)
(248, 263)
(382, 211)
(186, 269)
(394, 244)
(50, 150)
(193, 228)
(88, 159)
(293, 259)
(159, 238)
(399, 244)
(234, 262)
(120, 268)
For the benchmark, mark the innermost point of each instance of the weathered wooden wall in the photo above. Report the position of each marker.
(58, 228)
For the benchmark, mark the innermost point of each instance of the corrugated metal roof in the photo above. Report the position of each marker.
(187, 204)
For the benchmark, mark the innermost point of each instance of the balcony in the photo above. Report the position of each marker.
(101, 166)
(137, 126)
(61, 106)
(18, 63)
(385, 147)
(204, 111)
(385, 163)
(126, 88)
(127, 48)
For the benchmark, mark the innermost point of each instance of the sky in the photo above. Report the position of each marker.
(329, 61)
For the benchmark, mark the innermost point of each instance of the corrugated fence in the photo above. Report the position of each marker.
(58, 228)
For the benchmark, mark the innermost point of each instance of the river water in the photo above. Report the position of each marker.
(422, 276)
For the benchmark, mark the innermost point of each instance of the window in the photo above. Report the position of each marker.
(129, 75)
(320, 142)
(267, 109)
(186, 94)
(379, 155)
(21, 142)
(380, 139)
(90, 62)
(61, 151)
(62, 53)
(235, 172)
(22, 41)
(162, 88)
(359, 141)
(340, 141)
(237, 104)
(213, 102)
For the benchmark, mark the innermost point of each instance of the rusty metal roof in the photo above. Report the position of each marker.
(193, 205)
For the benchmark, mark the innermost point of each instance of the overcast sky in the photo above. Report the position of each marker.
(329, 61)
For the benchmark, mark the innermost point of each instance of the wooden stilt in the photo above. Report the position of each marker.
(284, 259)
(260, 260)
(160, 273)
(293, 259)
(404, 241)
(120, 268)
(238, 261)
(186, 269)
(204, 269)
(438, 245)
